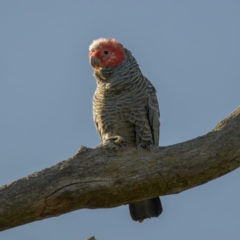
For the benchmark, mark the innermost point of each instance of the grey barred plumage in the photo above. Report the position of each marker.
(125, 105)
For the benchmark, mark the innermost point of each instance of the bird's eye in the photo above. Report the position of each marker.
(105, 52)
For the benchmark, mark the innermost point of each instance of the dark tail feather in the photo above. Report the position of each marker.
(145, 209)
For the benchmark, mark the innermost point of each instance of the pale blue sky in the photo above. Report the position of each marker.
(190, 51)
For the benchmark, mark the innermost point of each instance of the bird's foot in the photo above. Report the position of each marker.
(118, 140)
(113, 142)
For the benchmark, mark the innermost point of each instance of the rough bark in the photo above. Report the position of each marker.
(110, 175)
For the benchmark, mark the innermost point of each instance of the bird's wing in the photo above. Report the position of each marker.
(153, 113)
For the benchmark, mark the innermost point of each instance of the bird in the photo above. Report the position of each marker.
(125, 106)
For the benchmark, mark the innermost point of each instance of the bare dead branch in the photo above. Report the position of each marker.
(110, 176)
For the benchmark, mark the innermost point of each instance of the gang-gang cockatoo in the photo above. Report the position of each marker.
(125, 106)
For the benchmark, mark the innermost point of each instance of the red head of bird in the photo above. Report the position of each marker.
(106, 53)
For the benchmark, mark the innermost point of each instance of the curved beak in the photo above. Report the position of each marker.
(94, 61)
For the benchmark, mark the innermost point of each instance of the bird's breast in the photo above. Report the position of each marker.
(111, 114)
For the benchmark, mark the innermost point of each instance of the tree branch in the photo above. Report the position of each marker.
(110, 176)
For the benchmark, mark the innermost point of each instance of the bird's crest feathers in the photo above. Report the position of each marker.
(104, 42)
